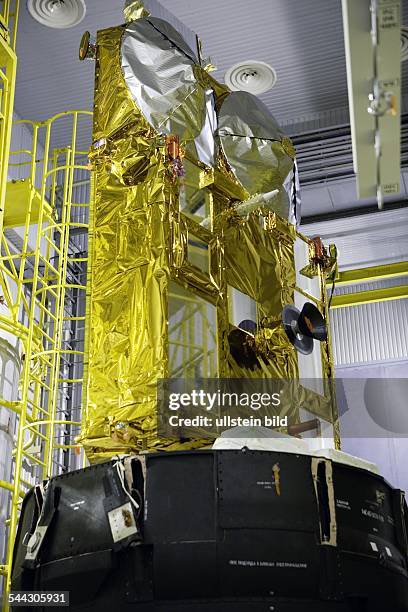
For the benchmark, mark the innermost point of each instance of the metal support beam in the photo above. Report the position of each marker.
(366, 275)
(372, 46)
(368, 297)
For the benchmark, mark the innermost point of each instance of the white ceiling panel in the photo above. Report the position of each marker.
(315, 199)
(302, 40)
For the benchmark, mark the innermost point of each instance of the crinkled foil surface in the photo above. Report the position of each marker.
(142, 245)
(257, 150)
(134, 9)
(158, 68)
(160, 71)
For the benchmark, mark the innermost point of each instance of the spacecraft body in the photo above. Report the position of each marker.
(216, 531)
(193, 233)
(198, 272)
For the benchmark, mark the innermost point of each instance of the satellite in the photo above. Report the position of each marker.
(269, 524)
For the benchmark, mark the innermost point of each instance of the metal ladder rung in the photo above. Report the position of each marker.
(43, 358)
(53, 246)
(49, 264)
(44, 289)
(78, 224)
(53, 225)
(36, 432)
(46, 310)
(44, 415)
(40, 382)
(38, 408)
(44, 333)
(32, 458)
(46, 281)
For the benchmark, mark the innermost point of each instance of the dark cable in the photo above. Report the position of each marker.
(332, 293)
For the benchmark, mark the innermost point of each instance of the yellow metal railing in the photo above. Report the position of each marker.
(192, 340)
(41, 279)
(8, 65)
(9, 12)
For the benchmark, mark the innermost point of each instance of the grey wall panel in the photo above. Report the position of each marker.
(386, 450)
(302, 40)
(370, 332)
(367, 240)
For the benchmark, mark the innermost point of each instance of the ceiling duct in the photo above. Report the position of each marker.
(57, 13)
(404, 44)
(251, 76)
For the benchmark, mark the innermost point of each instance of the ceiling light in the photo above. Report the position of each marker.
(57, 13)
(252, 76)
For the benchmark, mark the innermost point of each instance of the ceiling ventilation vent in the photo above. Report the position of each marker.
(404, 43)
(251, 76)
(57, 13)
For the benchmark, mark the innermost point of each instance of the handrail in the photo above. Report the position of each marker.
(38, 280)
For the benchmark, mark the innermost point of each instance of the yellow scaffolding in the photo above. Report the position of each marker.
(192, 339)
(42, 273)
(8, 62)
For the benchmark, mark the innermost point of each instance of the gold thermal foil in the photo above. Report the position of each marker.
(134, 9)
(161, 276)
(256, 263)
(130, 268)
